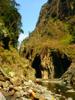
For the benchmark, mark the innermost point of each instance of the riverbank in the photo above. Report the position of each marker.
(36, 90)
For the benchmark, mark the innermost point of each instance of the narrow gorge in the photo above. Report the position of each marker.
(43, 68)
(50, 47)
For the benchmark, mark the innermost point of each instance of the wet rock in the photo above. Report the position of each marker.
(69, 76)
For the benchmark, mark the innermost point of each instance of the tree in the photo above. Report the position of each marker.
(11, 18)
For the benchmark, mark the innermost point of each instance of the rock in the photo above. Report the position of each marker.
(11, 92)
(69, 76)
(20, 93)
(41, 97)
(33, 95)
(29, 91)
(2, 78)
(1, 84)
(69, 98)
(49, 97)
(16, 81)
(17, 88)
(73, 80)
(2, 96)
(6, 84)
(69, 87)
(70, 91)
(23, 98)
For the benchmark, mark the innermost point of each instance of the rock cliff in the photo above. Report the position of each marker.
(50, 47)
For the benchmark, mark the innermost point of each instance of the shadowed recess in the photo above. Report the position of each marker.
(61, 63)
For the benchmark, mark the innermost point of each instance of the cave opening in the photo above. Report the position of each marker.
(36, 64)
(61, 63)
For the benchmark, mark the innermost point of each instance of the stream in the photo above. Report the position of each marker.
(57, 86)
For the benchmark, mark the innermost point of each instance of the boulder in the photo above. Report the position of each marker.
(2, 96)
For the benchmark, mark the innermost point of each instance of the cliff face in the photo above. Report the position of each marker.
(58, 8)
(62, 10)
(55, 32)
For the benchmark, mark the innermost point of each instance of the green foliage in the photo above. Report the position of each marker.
(3, 29)
(67, 39)
(70, 28)
(10, 20)
(73, 34)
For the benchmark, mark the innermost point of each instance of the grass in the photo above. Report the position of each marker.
(11, 61)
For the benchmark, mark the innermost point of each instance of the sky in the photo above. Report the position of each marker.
(29, 10)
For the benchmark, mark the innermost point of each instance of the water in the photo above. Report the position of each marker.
(59, 87)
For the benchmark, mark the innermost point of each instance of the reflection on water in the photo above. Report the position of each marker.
(61, 88)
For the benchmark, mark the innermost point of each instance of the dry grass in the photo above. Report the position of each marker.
(11, 61)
